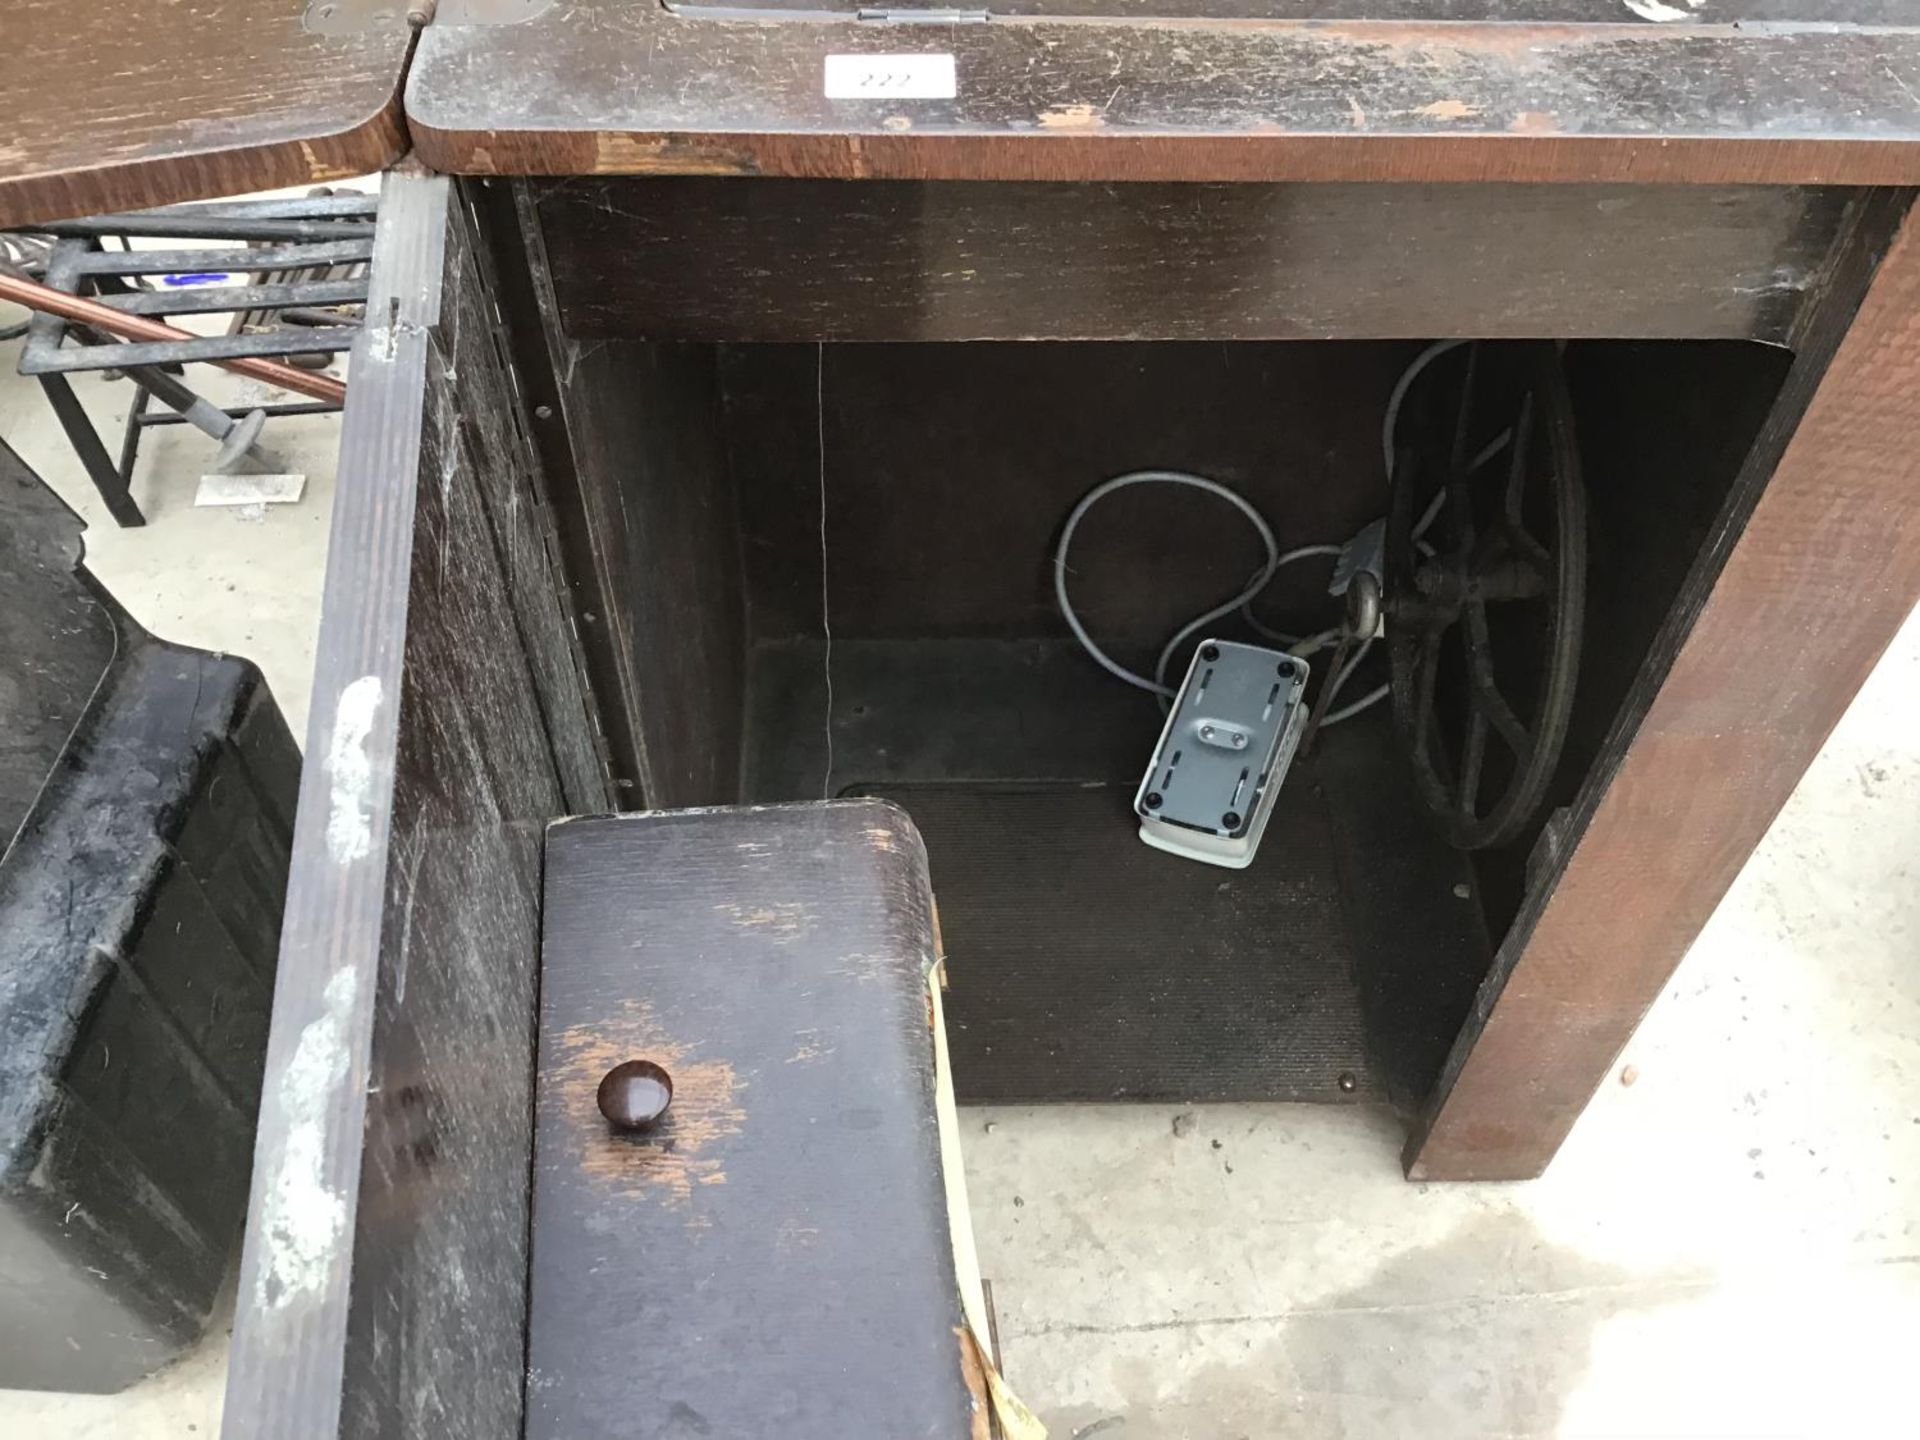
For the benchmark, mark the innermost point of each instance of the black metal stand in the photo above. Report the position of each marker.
(309, 257)
(109, 479)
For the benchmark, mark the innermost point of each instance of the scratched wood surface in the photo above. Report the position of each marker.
(434, 1332)
(382, 1285)
(114, 109)
(1573, 12)
(775, 1259)
(1811, 568)
(635, 452)
(603, 86)
(699, 258)
(483, 425)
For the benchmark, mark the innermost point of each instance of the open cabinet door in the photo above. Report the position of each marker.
(386, 1297)
(384, 1287)
(786, 1250)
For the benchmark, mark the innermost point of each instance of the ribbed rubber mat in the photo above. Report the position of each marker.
(1084, 966)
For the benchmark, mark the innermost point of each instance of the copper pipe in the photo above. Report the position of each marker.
(138, 327)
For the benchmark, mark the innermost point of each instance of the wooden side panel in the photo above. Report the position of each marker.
(387, 1297)
(476, 402)
(1801, 586)
(434, 1339)
(690, 258)
(657, 532)
(949, 469)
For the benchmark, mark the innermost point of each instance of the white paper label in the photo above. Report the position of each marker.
(891, 77)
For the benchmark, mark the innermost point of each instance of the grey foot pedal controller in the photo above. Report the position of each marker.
(1236, 722)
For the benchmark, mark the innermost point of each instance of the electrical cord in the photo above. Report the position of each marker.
(1299, 646)
(1157, 685)
(1279, 637)
(1371, 698)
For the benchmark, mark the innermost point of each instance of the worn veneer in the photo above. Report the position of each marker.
(1693, 13)
(789, 1211)
(695, 258)
(1784, 93)
(236, 95)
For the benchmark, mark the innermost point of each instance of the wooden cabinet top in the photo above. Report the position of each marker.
(1638, 90)
(249, 94)
(114, 109)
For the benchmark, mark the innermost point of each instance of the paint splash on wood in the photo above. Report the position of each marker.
(350, 771)
(303, 1219)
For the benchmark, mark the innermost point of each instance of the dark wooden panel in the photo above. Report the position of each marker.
(435, 1337)
(655, 528)
(230, 96)
(776, 1259)
(519, 292)
(1813, 563)
(388, 1298)
(950, 468)
(476, 400)
(706, 259)
(603, 86)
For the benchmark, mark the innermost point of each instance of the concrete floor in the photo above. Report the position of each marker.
(1726, 1247)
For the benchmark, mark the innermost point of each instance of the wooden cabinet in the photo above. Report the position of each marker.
(696, 364)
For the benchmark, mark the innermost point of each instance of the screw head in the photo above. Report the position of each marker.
(1348, 1081)
(1230, 820)
(1239, 741)
(1210, 653)
(634, 1095)
(1153, 800)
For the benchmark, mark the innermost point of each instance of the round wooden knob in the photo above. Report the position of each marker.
(634, 1095)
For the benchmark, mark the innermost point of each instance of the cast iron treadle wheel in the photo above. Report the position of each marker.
(1485, 606)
